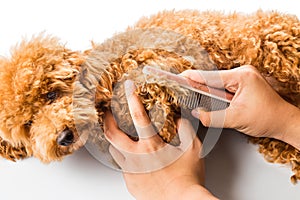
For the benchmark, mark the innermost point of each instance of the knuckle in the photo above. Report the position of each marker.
(139, 115)
(187, 72)
(250, 72)
(197, 143)
(153, 146)
(205, 120)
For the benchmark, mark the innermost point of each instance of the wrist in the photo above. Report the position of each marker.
(187, 187)
(197, 192)
(291, 127)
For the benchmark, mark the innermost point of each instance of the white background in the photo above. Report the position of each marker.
(234, 169)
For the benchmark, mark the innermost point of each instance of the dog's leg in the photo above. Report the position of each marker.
(12, 153)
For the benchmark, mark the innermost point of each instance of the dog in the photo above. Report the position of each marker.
(54, 99)
(36, 100)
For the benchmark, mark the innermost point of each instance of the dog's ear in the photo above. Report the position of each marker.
(13, 134)
(10, 152)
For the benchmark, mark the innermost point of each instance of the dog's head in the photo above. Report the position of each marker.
(36, 98)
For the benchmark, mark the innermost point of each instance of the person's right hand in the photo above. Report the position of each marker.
(256, 109)
(153, 169)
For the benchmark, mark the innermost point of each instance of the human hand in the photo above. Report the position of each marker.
(256, 109)
(153, 169)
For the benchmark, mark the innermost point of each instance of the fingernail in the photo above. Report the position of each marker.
(196, 113)
(107, 134)
(129, 87)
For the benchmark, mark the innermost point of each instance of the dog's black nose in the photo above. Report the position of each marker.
(65, 138)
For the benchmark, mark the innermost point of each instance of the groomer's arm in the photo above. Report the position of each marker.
(256, 109)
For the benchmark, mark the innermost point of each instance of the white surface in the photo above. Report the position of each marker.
(234, 169)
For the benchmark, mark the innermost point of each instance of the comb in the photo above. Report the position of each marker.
(198, 95)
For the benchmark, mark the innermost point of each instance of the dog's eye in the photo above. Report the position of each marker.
(28, 123)
(51, 96)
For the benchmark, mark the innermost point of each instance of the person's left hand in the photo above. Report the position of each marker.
(153, 169)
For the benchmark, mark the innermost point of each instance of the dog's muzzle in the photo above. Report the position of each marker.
(65, 138)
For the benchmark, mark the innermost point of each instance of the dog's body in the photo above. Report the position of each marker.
(39, 85)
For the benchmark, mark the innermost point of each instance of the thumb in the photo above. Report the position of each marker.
(217, 79)
(217, 119)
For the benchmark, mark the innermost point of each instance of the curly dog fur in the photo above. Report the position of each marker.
(39, 80)
(36, 99)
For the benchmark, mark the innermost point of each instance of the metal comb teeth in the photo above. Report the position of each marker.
(194, 100)
(198, 95)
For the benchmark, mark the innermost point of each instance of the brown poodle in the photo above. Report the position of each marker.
(36, 100)
(46, 113)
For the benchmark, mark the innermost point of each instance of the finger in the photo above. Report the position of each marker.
(115, 136)
(145, 132)
(117, 156)
(137, 111)
(217, 119)
(109, 122)
(136, 107)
